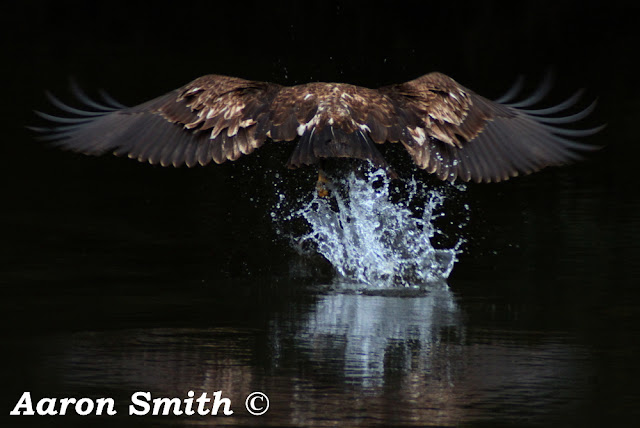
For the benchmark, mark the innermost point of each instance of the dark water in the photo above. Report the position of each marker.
(537, 324)
(119, 277)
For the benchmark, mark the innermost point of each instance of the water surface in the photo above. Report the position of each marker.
(532, 326)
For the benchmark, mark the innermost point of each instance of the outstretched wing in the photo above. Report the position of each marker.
(448, 129)
(220, 118)
(464, 135)
(214, 117)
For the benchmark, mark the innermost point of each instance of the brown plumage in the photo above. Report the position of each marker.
(448, 129)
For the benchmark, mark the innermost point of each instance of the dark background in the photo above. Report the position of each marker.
(78, 232)
(137, 52)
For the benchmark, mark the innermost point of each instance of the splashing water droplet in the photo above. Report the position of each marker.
(371, 240)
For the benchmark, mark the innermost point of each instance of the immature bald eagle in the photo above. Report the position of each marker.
(447, 129)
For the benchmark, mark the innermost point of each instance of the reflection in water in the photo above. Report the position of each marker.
(346, 357)
(370, 335)
(419, 349)
(166, 362)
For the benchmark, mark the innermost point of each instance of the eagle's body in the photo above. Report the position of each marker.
(446, 128)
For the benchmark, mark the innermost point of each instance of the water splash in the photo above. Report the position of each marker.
(373, 241)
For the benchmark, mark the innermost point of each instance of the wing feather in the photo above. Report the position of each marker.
(181, 127)
(448, 129)
(473, 138)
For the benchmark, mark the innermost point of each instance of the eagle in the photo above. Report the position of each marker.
(447, 129)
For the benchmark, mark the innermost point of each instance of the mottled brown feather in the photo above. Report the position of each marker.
(447, 129)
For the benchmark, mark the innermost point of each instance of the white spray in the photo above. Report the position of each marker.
(375, 242)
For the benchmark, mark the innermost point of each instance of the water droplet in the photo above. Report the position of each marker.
(373, 241)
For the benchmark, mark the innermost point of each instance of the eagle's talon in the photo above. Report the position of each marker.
(321, 185)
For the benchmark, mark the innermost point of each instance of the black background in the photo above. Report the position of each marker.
(137, 52)
(69, 218)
